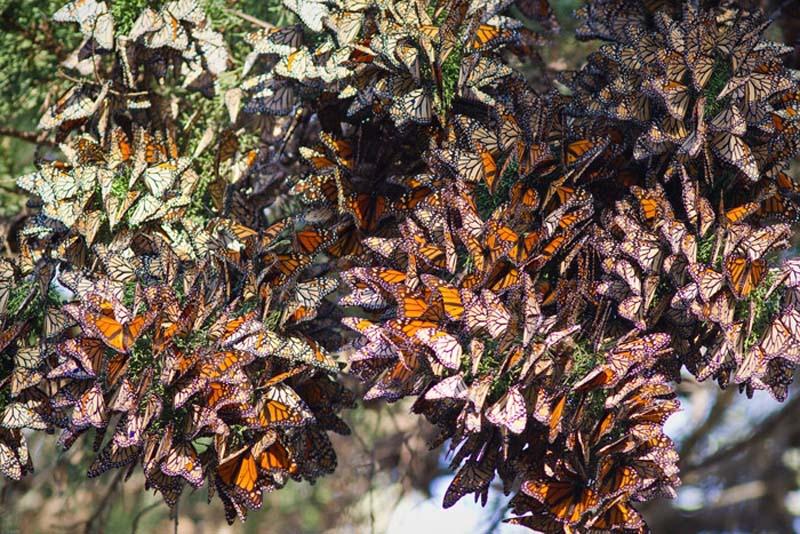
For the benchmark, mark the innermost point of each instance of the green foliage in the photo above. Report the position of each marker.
(719, 78)
(764, 309)
(31, 47)
(486, 201)
(125, 12)
(223, 14)
(19, 293)
(129, 294)
(119, 186)
(705, 248)
(15, 159)
(584, 359)
(272, 319)
(451, 69)
(193, 340)
(595, 405)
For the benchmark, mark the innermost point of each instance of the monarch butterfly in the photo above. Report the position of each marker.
(311, 239)
(697, 207)
(284, 268)
(709, 282)
(487, 313)
(510, 412)
(182, 461)
(240, 473)
(15, 462)
(419, 247)
(281, 406)
(625, 355)
(744, 275)
(88, 353)
(368, 209)
(445, 347)
(652, 203)
(582, 151)
(739, 213)
(778, 207)
(415, 106)
(313, 454)
(22, 414)
(756, 86)
(349, 241)
(90, 409)
(307, 298)
(474, 166)
(567, 501)
(274, 97)
(487, 36)
(311, 12)
(617, 514)
(729, 120)
(452, 387)
(346, 25)
(645, 249)
(473, 477)
(276, 458)
(113, 456)
(675, 95)
(453, 306)
(94, 19)
(120, 336)
(307, 351)
(733, 150)
(224, 363)
(758, 243)
(616, 479)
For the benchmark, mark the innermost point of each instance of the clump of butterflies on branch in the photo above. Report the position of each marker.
(382, 193)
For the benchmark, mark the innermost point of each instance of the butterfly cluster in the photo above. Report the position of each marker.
(535, 269)
(695, 247)
(181, 343)
(392, 60)
(484, 308)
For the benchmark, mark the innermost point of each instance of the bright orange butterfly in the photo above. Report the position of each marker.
(744, 275)
(120, 336)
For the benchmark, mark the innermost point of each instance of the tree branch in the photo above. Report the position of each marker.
(30, 137)
(106, 498)
(715, 416)
(140, 514)
(759, 434)
(249, 18)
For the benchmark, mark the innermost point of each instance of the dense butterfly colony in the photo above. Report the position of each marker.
(534, 269)
(179, 341)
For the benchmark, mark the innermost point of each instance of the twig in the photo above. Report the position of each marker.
(79, 81)
(140, 514)
(249, 18)
(103, 502)
(296, 120)
(362, 442)
(779, 10)
(30, 137)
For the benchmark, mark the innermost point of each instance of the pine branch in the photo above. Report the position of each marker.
(30, 137)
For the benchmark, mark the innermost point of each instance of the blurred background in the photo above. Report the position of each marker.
(740, 457)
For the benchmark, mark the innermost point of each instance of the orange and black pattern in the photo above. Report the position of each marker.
(536, 269)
